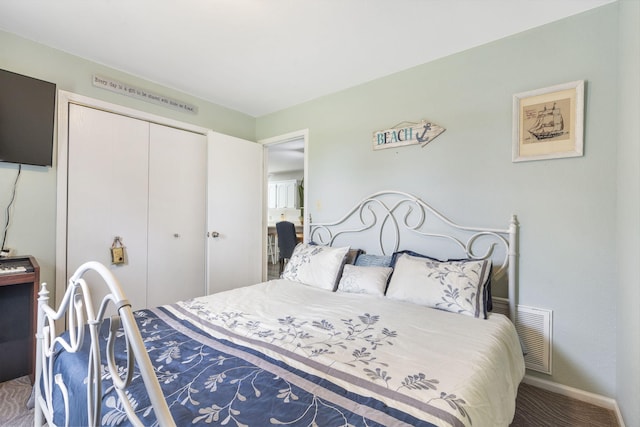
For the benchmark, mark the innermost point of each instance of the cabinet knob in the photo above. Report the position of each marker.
(176, 235)
(215, 234)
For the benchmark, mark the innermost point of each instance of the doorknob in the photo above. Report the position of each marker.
(215, 234)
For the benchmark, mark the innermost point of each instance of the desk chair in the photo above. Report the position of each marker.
(287, 241)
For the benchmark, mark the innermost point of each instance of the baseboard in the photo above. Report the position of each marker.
(575, 393)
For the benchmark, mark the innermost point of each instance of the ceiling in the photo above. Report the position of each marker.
(261, 56)
(286, 157)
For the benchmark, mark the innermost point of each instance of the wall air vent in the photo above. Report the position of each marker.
(534, 328)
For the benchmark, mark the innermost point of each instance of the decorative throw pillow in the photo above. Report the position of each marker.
(456, 286)
(317, 266)
(367, 260)
(364, 280)
(487, 298)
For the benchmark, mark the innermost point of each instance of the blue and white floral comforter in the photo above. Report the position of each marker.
(281, 353)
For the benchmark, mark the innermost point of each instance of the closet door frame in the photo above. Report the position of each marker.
(66, 98)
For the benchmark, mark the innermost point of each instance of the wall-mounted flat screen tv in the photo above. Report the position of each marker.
(27, 110)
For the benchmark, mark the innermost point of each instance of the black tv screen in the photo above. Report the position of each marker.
(27, 110)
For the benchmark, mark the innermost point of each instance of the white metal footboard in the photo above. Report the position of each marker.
(78, 307)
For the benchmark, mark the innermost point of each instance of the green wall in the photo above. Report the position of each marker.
(628, 321)
(566, 207)
(73, 74)
(33, 220)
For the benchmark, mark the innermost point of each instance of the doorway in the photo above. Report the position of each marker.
(286, 180)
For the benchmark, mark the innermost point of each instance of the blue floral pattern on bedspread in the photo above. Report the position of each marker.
(214, 381)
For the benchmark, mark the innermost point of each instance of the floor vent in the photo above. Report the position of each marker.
(534, 328)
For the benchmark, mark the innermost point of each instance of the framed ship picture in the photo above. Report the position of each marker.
(548, 123)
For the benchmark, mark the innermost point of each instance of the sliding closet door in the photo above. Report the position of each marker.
(107, 194)
(177, 208)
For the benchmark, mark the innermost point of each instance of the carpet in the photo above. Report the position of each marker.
(14, 396)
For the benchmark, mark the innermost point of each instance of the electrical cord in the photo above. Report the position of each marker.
(8, 211)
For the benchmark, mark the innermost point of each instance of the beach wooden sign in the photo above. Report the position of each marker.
(406, 133)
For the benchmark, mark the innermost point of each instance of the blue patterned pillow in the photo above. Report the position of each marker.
(366, 260)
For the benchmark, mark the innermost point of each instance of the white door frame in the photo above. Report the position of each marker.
(64, 99)
(299, 134)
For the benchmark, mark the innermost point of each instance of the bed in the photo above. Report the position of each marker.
(390, 335)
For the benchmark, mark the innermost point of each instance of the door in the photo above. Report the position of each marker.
(107, 186)
(177, 215)
(234, 212)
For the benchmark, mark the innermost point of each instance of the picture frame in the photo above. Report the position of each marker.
(548, 123)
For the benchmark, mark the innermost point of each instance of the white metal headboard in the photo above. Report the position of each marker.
(78, 307)
(392, 214)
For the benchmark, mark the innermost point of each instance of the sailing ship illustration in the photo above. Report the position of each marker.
(549, 123)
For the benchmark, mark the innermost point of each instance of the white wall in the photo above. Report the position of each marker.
(567, 207)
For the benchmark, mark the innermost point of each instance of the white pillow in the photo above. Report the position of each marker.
(364, 280)
(456, 286)
(314, 265)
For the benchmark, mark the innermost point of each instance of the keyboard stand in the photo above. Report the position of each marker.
(18, 309)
